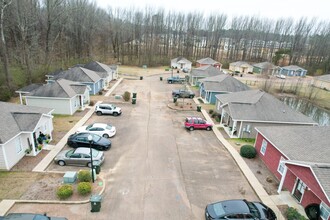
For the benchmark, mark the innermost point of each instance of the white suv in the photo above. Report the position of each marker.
(107, 109)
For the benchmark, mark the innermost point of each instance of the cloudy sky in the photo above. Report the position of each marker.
(262, 8)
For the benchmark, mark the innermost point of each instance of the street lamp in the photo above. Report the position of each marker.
(90, 139)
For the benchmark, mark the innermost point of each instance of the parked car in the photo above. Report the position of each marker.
(239, 209)
(102, 129)
(81, 140)
(107, 109)
(192, 123)
(176, 79)
(281, 76)
(181, 93)
(30, 216)
(79, 157)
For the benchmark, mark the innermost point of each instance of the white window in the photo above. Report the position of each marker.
(263, 147)
(18, 145)
(281, 166)
(325, 211)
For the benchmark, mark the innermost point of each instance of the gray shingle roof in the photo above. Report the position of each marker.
(322, 173)
(265, 65)
(30, 87)
(222, 83)
(300, 143)
(207, 61)
(205, 71)
(180, 60)
(325, 78)
(61, 88)
(256, 105)
(293, 67)
(79, 74)
(15, 118)
(98, 67)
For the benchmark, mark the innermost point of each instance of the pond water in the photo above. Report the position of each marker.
(321, 116)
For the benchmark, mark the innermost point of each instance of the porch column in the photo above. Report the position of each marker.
(282, 179)
(82, 102)
(20, 98)
(234, 127)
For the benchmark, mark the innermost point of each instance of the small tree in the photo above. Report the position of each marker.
(84, 176)
(248, 151)
(127, 96)
(84, 188)
(64, 191)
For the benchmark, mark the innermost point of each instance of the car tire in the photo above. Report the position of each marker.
(191, 96)
(61, 163)
(191, 128)
(89, 164)
(208, 128)
(115, 114)
(99, 113)
(105, 136)
(170, 82)
(177, 96)
(74, 145)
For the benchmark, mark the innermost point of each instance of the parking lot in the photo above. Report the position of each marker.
(156, 169)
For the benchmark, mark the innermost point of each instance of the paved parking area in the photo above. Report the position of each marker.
(156, 169)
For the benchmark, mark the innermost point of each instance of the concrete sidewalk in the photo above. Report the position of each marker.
(254, 182)
(6, 204)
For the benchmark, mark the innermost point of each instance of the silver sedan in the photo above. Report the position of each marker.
(79, 157)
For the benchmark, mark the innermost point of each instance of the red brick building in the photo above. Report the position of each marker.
(299, 156)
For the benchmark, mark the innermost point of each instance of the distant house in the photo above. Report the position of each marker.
(64, 96)
(208, 61)
(293, 70)
(20, 126)
(265, 68)
(181, 63)
(82, 75)
(299, 156)
(240, 66)
(241, 112)
(202, 72)
(103, 70)
(220, 84)
(322, 82)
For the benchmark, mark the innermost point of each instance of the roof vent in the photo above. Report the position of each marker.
(283, 111)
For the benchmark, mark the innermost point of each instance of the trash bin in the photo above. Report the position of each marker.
(141, 77)
(133, 101)
(175, 99)
(134, 95)
(161, 78)
(97, 167)
(95, 203)
(199, 108)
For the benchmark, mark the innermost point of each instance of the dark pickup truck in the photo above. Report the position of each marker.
(181, 93)
(175, 79)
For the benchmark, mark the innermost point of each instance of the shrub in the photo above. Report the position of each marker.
(127, 96)
(91, 103)
(84, 176)
(248, 151)
(84, 188)
(64, 191)
(293, 214)
(100, 93)
(214, 114)
(5, 93)
(211, 111)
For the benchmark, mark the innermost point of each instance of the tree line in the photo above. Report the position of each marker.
(39, 36)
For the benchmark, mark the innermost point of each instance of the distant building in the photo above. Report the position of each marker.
(240, 66)
(208, 61)
(181, 63)
(292, 70)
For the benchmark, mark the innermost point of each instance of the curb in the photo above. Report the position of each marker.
(7, 204)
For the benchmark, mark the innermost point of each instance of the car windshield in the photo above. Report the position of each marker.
(89, 126)
(218, 209)
(96, 138)
(69, 153)
(109, 127)
(95, 152)
(253, 209)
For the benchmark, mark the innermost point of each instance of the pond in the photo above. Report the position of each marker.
(321, 116)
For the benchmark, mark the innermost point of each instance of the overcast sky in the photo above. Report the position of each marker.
(262, 8)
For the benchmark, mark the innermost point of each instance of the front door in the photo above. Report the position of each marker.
(299, 190)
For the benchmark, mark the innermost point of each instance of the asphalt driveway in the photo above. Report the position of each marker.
(156, 169)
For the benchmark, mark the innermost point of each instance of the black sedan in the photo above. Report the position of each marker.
(81, 140)
(239, 209)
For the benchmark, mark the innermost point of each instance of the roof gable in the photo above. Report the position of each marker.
(206, 71)
(223, 83)
(15, 118)
(79, 74)
(98, 67)
(207, 61)
(180, 60)
(293, 67)
(265, 65)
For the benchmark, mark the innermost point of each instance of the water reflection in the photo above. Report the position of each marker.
(321, 116)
